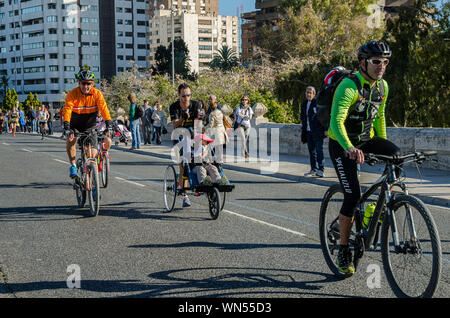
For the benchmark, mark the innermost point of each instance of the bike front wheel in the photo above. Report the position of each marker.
(170, 188)
(94, 190)
(413, 268)
(329, 228)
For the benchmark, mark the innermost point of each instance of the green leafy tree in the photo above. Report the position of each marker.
(418, 74)
(225, 59)
(163, 59)
(11, 99)
(319, 28)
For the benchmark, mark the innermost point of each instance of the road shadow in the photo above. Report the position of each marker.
(126, 210)
(210, 282)
(37, 185)
(230, 246)
(282, 199)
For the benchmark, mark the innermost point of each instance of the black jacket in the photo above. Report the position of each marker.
(314, 123)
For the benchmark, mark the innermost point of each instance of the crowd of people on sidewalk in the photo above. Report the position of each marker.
(147, 126)
(30, 121)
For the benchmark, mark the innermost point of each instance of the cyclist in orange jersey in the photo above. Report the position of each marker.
(80, 113)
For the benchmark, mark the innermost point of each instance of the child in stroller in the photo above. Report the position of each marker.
(122, 133)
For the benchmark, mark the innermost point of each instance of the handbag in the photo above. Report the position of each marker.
(164, 131)
(226, 123)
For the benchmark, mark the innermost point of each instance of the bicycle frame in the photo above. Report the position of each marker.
(384, 184)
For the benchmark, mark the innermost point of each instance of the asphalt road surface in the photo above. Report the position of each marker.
(265, 244)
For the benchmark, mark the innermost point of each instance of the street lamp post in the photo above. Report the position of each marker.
(172, 10)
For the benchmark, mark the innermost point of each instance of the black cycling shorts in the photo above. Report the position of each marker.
(347, 171)
(84, 123)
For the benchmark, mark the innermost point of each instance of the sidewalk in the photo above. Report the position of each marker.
(431, 186)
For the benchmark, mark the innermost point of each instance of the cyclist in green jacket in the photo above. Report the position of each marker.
(358, 126)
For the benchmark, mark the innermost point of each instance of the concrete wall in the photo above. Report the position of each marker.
(408, 139)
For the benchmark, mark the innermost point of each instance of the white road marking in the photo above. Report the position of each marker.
(264, 223)
(132, 182)
(61, 161)
(6, 144)
(28, 150)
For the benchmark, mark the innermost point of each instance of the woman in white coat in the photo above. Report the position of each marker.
(242, 116)
(216, 130)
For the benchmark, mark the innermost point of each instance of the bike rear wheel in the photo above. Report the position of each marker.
(170, 188)
(329, 227)
(80, 194)
(214, 203)
(414, 269)
(94, 190)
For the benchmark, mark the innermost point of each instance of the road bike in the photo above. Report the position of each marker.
(103, 161)
(410, 245)
(86, 185)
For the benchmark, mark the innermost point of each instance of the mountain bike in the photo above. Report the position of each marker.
(410, 245)
(87, 184)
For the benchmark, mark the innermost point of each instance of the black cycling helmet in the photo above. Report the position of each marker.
(85, 75)
(374, 48)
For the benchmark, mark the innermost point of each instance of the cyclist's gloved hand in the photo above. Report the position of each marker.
(109, 126)
(66, 127)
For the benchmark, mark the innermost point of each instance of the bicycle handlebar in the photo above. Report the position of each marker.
(418, 156)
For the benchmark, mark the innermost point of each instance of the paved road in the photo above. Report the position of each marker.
(264, 244)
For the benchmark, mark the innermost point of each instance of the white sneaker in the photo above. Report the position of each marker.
(319, 173)
(310, 173)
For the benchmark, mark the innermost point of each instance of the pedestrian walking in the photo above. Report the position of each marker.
(159, 121)
(147, 123)
(313, 133)
(242, 116)
(134, 123)
(51, 118)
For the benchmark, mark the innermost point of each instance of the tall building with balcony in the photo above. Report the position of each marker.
(203, 34)
(44, 43)
(201, 7)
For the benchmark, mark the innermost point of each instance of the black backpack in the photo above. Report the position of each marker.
(326, 92)
(138, 111)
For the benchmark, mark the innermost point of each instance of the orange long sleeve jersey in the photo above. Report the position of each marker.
(85, 104)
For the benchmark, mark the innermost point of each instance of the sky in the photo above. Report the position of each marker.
(228, 7)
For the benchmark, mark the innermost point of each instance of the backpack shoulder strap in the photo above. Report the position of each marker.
(382, 88)
(357, 82)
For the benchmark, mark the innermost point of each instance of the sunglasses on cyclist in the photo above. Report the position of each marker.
(87, 83)
(186, 95)
(378, 61)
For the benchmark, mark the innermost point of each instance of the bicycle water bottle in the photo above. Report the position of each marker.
(368, 213)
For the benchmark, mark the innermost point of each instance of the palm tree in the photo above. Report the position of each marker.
(225, 59)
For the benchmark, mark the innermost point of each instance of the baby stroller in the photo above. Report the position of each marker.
(122, 133)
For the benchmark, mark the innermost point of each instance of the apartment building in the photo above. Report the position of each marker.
(44, 43)
(201, 7)
(203, 34)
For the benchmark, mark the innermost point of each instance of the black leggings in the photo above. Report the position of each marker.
(346, 168)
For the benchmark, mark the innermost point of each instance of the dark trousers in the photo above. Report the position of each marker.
(158, 135)
(315, 148)
(146, 131)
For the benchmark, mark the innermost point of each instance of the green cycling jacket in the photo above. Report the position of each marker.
(354, 119)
